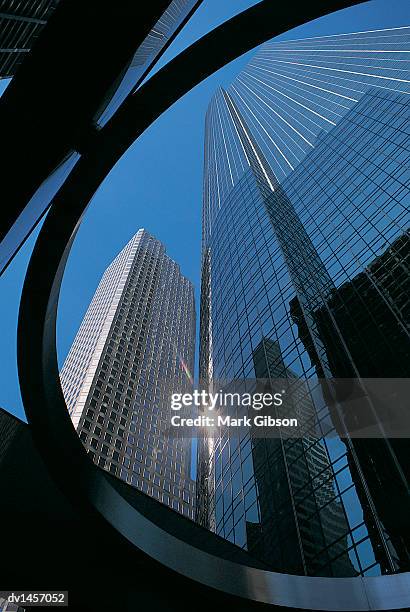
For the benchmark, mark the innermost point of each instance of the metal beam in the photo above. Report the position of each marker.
(43, 398)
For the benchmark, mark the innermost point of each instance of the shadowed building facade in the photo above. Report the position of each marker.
(21, 24)
(278, 462)
(374, 339)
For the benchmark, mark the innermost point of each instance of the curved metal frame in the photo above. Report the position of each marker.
(42, 395)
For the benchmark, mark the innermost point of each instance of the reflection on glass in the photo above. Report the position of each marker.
(305, 274)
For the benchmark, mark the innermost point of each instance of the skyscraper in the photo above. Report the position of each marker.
(306, 184)
(134, 347)
(20, 25)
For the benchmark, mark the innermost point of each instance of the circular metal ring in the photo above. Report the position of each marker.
(42, 395)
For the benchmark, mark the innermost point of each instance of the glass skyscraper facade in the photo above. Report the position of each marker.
(305, 276)
(135, 346)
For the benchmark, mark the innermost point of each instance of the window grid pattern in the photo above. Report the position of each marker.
(21, 23)
(342, 214)
(292, 91)
(134, 346)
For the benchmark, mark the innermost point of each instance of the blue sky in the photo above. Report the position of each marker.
(157, 185)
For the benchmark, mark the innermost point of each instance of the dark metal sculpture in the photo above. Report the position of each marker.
(43, 399)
